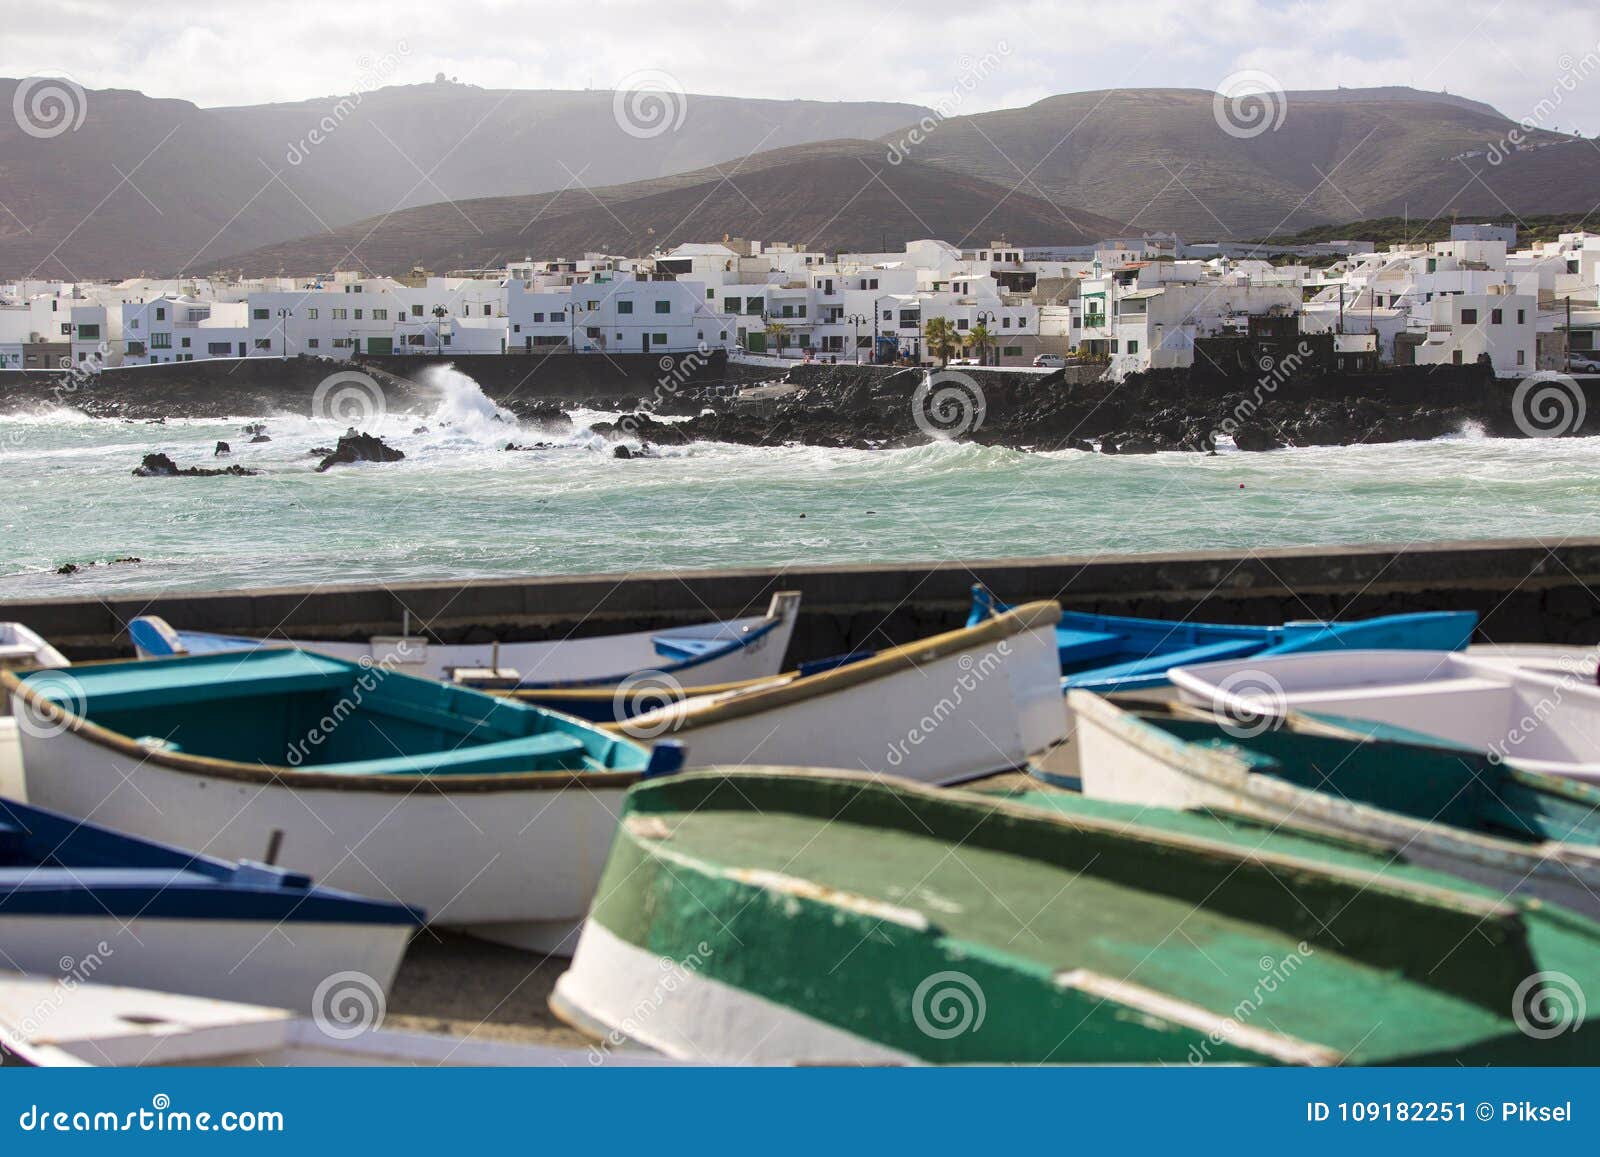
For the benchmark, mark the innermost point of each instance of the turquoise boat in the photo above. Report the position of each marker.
(486, 813)
(1108, 653)
(775, 915)
(1440, 804)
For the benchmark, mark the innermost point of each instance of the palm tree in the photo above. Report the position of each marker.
(980, 340)
(775, 331)
(942, 339)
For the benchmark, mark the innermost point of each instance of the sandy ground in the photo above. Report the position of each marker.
(455, 984)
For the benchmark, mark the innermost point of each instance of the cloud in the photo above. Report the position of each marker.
(831, 50)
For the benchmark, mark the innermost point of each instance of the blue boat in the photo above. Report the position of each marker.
(84, 902)
(487, 813)
(1107, 653)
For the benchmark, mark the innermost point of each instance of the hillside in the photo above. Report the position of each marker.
(1159, 158)
(834, 195)
(145, 184)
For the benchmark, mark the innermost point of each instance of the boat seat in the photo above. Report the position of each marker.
(1154, 668)
(1077, 646)
(683, 649)
(136, 686)
(553, 750)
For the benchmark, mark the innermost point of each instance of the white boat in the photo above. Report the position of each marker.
(12, 783)
(21, 647)
(52, 1023)
(1558, 660)
(950, 707)
(715, 652)
(489, 815)
(1521, 712)
(1432, 804)
(86, 900)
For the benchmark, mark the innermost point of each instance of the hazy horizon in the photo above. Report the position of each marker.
(1008, 55)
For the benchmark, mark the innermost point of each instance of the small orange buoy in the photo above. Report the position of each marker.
(1241, 486)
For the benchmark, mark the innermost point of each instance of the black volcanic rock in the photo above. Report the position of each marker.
(354, 447)
(161, 466)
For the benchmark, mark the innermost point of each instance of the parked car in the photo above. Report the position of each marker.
(1051, 361)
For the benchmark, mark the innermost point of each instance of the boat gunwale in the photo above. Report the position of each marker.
(266, 774)
(782, 691)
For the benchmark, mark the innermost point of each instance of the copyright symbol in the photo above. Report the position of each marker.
(1485, 1111)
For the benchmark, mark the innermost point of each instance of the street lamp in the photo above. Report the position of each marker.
(984, 316)
(856, 321)
(283, 324)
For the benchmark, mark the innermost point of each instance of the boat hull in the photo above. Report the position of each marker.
(516, 855)
(940, 713)
(274, 963)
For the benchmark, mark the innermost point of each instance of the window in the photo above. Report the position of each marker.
(1005, 323)
(659, 338)
(136, 349)
(724, 335)
(260, 314)
(1113, 345)
(263, 343)
(619, 337)
(538, 318)
(134, 324)
(312, 343)
(1469, 317)
(342, 314)
(218, 349)
(66, 329)
(358, 315)
(711, 294)
(1522, 316)
(1522, 356)
(754, 305)
(312, 314)
(1015, 351)
(161, 313)
(184, 342)
(1133, 347)
(558, 315)
(888, 315)
(340, 343)
(416, 310)
(88, 333)
(624, 307)
(377, 315)
(161, 341)
(1496, 316)
(485, 311)
(961, 323)
(663, 307)
(730, 305)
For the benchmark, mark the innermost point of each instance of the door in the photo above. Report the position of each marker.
(380, 345)
(645, 339)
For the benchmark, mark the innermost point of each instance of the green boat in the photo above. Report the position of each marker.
(782, 915)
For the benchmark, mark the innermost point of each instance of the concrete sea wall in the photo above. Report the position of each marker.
(1524, 590)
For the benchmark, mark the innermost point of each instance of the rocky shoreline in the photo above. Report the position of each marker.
(869, 408)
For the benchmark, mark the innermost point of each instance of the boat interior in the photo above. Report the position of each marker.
(279, 707)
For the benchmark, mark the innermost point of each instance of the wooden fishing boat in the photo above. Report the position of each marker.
(950, 707)
(1108, 653)
(835, 918)
(488, 814)
(1440, 804)
(78, 897)
(46, 1024)
(1518, 712)
(21, 647)
(715, 652)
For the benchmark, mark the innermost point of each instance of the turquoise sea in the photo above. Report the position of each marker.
(460, 506)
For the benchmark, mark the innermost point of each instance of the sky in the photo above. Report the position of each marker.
(1529, 60)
